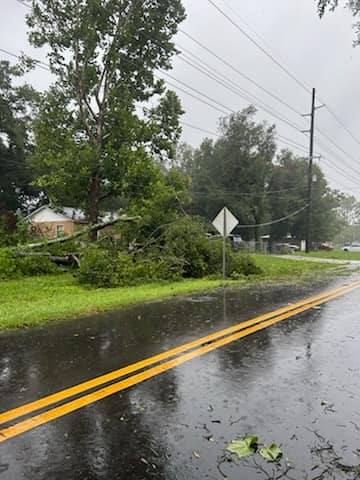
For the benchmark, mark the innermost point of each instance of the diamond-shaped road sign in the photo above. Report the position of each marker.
(225, 222)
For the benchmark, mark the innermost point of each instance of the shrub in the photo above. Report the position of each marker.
(13, 266)
(242, 264)
(186, 240)
(237, 264)
(98, 267)
(111, 268)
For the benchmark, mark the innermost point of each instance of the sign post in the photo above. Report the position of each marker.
(225, 223)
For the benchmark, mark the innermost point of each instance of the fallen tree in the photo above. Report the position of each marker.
(86, 231)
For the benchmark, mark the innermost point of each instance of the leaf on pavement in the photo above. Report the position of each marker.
(244, 447)
(272, 453)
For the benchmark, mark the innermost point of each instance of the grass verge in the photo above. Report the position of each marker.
(335, 255)
(36, 300)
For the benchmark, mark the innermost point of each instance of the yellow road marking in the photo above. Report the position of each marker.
(100, 394)
(101, 380)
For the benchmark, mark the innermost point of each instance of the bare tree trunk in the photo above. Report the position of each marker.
(94, 204)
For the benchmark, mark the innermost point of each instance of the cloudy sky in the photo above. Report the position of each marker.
(318, 53)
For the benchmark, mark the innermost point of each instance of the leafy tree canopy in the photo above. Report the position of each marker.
(17, 105)
(94, 136)
(235, 169)
(289, 179)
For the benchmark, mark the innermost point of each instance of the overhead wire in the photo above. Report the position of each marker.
(272, 57)
(239, 72)
(279, 220)
(43, 65)
(245, 96)
(260, 47)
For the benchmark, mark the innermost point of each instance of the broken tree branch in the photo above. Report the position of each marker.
(81, 233)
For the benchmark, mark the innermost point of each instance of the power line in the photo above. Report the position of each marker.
(209, 68)
(200, 129)
(243, 75)
(341, 123)
(260, 37)
(329, 139)
(197, 91)
(196, 97)
(270, 55)
(38, 62)
(279, 220)
(246, 96)
(257, 44)
(286, 70)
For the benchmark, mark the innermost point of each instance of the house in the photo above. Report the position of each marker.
(51, 222)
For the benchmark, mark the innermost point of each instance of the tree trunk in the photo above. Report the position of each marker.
(94, 204)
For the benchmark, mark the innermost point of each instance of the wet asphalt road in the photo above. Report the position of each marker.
(296, 383)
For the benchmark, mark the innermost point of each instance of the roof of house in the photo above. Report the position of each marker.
(47, 213)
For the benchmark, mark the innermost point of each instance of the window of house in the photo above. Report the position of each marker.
(60, 230)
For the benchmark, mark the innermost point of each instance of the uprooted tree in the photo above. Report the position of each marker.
(92, 142)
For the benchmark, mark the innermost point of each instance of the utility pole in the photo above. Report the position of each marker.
(310, 176)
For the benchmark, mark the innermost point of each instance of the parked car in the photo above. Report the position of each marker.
(354, 247)
(285, 248)
(327, 246)
(294, 247)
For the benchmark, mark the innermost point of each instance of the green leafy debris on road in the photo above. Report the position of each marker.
(272, 453)
(244, 447)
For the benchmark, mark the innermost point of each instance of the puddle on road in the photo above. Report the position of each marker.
(296, 384)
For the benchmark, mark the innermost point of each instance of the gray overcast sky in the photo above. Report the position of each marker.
(318, 51)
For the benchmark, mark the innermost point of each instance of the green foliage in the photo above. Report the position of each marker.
(240, 161)
(157, 207)
(272, 453)
(111, 268)
(14, 230)
(92, 142)
(185, 251)
(186, 239)
(244, 447)
(14, 266)
(289, 176)
(17, 107)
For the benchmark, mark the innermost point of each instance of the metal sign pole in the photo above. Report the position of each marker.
(224, 245)
(225, 222)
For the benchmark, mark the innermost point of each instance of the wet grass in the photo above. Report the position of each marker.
(277, 267)
(335, 255)
(36, 300)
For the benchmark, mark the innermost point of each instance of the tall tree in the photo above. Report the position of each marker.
(289, 181)
(92, 139)
(349, 209)
(235, 170)
(353, 5)
(17, 107)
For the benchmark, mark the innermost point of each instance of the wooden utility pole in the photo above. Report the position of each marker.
(310, 176)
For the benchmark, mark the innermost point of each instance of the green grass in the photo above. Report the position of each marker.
(335, 255)
(277, 267)
(36, 300)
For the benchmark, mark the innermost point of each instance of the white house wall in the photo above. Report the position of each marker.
(48, 215)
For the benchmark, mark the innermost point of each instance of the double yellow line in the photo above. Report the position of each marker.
(182, 354)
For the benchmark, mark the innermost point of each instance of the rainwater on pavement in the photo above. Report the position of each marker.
(296, 384)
